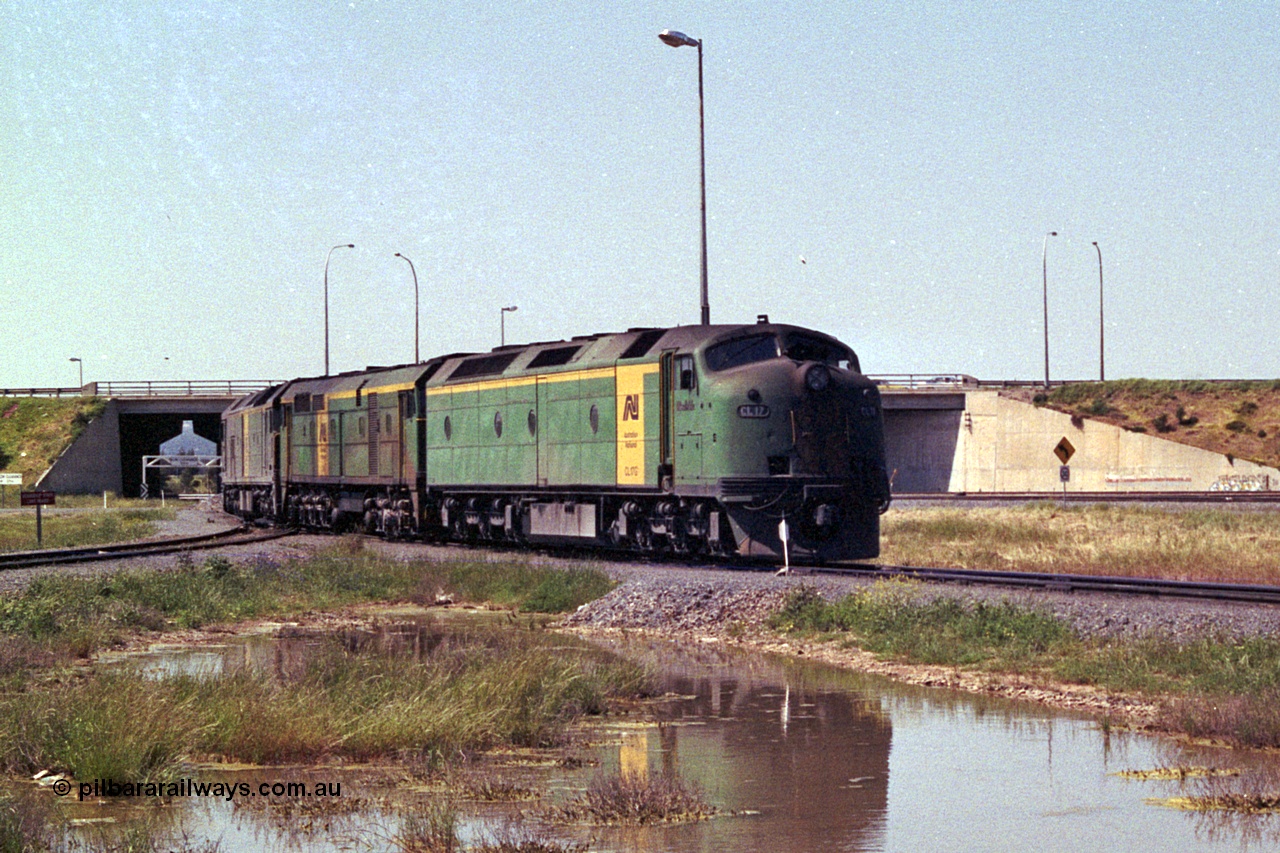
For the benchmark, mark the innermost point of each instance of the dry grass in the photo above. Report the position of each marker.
(1210, 545)
(1237, 418)
(630, 799)
(73, 530)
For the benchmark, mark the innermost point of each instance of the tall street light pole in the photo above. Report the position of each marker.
(503, 315)
(677, 39)
(1102, 348)
(1045, 263)
(326, 301)
(81, 364)
(416, 358)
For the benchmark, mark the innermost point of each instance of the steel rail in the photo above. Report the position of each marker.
(123, 550)
(1095, 497)
(1059, 582)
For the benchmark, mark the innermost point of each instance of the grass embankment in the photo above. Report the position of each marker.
(1241, 547)
(465, 691)
(1240, 419)
(35, 430)
(75, 529)
(1224, 690)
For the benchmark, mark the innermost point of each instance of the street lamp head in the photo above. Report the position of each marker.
(1095, 242)
(1053, 233)
(510, 308)
(678, 39)
(73, 359)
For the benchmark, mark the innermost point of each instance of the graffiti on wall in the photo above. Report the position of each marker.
(1242, 483)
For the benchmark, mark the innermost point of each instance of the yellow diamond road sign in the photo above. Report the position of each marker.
(1064, 451)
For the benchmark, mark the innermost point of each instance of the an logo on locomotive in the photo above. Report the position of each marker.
(631, 408)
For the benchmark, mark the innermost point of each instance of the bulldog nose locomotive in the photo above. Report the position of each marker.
(691, 440)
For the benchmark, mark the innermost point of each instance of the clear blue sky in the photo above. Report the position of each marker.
(173, 174)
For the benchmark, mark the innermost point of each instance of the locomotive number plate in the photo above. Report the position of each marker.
(753, 411)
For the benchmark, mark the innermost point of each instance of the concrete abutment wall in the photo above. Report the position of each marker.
(980, 441)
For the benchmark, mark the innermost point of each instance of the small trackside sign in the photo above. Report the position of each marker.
(1064, 451)
(38, 498)
(10, 478)
(753, 411)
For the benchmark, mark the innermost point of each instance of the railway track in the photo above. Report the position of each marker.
(1272, 497)
(1053, 582)
(126, 550)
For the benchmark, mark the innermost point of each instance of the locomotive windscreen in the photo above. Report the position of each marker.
(740, 351)
(809, 348)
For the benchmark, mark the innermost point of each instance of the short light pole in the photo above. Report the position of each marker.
(1102, 347)
(677, 39)
(1045, 263)
(81, 364)
(326, 301)
(416, 358)
(503, 316)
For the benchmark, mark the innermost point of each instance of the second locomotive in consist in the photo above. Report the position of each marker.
(691, 440)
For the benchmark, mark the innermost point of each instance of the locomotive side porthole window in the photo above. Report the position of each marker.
(497, 424)
(448, 428)
(593, 417)
(533, 422)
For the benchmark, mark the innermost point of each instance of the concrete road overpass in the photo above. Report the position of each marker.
(138, 417)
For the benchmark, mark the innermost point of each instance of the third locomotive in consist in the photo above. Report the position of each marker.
(691, 440)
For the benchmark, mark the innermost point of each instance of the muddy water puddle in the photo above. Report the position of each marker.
(793, 756)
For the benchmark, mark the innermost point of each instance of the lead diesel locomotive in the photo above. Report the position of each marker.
(690, 440)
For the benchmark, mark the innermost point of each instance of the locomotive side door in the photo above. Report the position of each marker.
(404, 462)
(686, 421)
(666, 426)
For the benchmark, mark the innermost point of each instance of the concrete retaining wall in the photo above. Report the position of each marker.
(997, 444)
(91, 463)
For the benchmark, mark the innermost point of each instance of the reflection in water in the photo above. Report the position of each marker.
(804, 758)
(759, 736)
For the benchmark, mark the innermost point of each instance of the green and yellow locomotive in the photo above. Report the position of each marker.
(689, 440)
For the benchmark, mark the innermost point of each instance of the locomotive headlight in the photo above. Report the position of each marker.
(818, 377)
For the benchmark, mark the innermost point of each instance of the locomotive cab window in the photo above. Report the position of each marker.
(740, 351)
(830, 353)
(684, 369)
